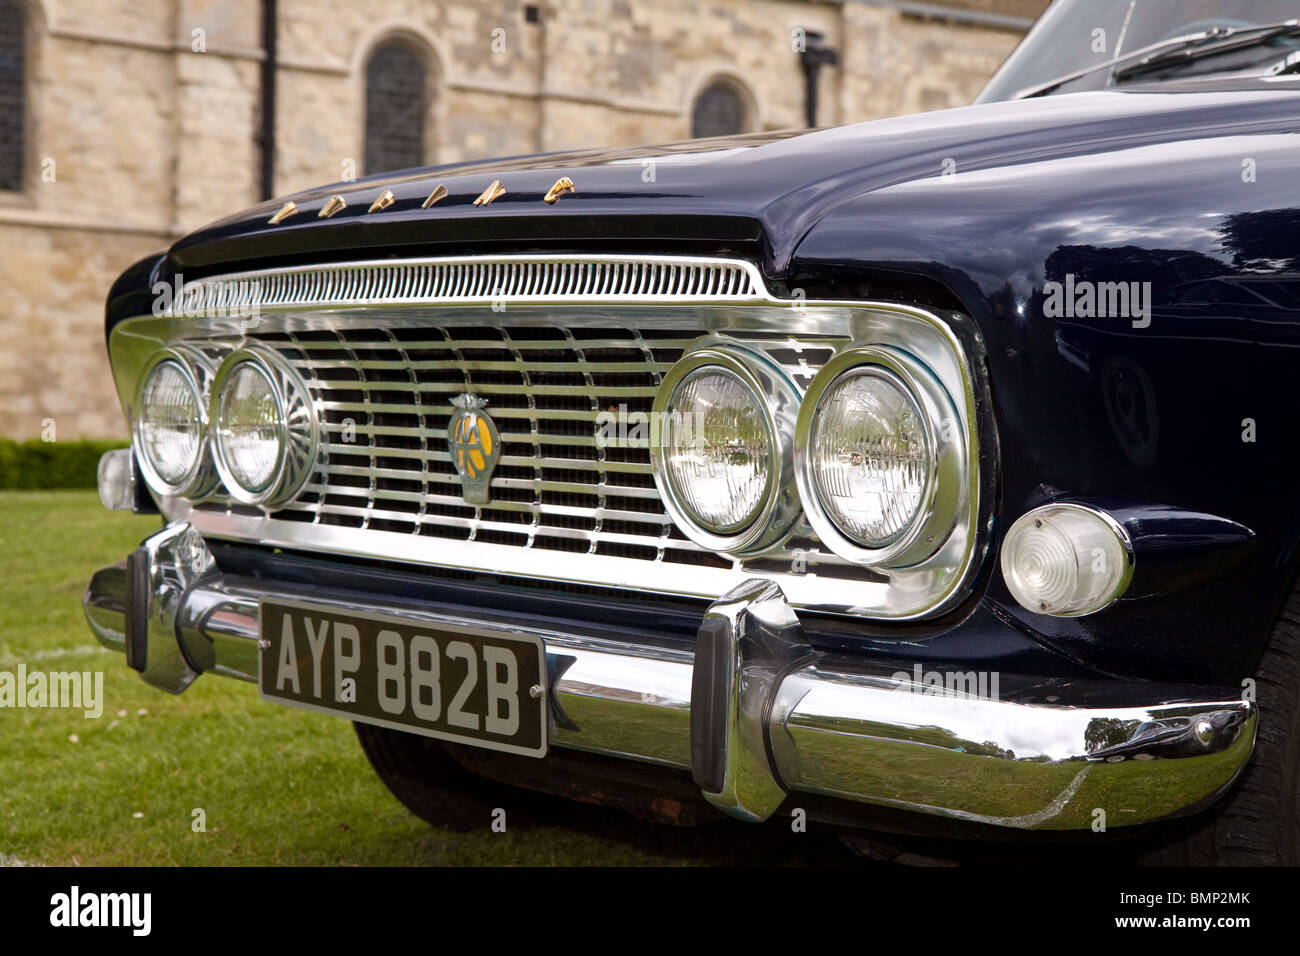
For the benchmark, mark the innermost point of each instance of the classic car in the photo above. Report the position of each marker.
(931, 476)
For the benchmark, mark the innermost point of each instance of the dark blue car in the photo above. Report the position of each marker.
(936, 475)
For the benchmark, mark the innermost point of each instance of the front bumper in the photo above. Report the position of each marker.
(754, 712)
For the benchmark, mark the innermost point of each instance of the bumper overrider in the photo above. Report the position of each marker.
(754, 712)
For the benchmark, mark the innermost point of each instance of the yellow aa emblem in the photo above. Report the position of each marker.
(473, 443)
(475, 447)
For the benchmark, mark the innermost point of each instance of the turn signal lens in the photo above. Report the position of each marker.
(116, 476)
(1066, 560)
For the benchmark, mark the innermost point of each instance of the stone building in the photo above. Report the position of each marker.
(125, 123)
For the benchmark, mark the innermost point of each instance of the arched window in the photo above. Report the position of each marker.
(397, 91)
(13, 50)
(719, 110)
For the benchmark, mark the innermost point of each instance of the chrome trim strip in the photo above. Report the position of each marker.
(815, 591)
(464, 280)
(172, 560)
(749, 640)
(849, 735)
(832, 731)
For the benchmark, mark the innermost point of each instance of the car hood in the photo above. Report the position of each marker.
(755, 196)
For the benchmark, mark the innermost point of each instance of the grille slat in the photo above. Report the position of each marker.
(626, 467)
(538, 414)
(516, 484)
(484, 388)
(455, 499)
(481, 524)
(583, 441)
(483, 365)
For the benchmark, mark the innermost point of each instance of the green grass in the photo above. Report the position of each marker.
(278, 785)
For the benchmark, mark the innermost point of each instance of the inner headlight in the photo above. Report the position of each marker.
(881, 458)
(718, 451)
(171, 424)
(265, 430)
(250, 428)
(721, 450)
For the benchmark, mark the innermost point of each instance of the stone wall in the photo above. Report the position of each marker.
(144, 122)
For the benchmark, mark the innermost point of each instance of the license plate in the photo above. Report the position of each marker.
(472, 685)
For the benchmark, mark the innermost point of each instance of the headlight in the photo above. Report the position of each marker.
(881, 458)
(265, 432)
(718, 451)
(171, 423)
(721, 449)
(870, 456)
(250, 428)
(1066, 560)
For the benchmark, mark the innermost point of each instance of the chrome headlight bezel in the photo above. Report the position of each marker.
(197, 371)
(943, 498)
(778, 401)
(297, 428)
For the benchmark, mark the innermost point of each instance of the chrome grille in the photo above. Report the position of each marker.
(386, 344)
(384, 395)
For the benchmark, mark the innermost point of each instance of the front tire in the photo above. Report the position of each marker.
(429, 783)
(1257, 823)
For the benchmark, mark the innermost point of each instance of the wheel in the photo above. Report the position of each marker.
(420, 773)
(453, 785)
(871, 847)
(1256, 823)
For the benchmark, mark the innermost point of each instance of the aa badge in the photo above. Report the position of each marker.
(475, 447)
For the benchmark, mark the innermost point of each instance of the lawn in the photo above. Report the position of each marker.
(276, 785)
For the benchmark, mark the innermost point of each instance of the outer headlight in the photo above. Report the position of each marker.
(171, 423)
(721, 449)
(881, 458)
(265, 433)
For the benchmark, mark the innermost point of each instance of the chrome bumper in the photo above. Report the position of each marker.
(770, 716)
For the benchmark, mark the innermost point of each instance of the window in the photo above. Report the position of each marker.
(719, 111)
(13, 42)
(397, 91)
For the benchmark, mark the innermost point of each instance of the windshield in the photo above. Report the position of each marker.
(1073, 35)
